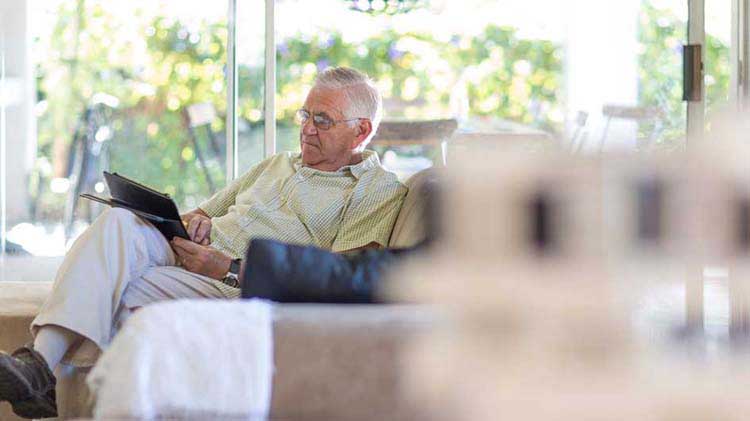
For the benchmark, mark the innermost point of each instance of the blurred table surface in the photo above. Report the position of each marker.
(436, 131)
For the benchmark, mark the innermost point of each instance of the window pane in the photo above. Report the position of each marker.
(588, 73)
(717, 65)
(251, 74)
(136, 88)
(662, 32)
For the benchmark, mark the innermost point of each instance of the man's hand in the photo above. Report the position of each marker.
(198, 225)
(201, 259)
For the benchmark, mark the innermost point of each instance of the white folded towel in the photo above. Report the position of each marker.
(198, 359)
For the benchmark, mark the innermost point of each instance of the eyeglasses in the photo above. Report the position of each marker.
(321, 121)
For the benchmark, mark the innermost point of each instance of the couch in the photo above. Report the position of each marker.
(332, 361)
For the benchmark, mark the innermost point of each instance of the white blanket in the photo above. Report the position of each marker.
(188, 359)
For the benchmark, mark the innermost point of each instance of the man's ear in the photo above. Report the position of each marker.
(364, 127)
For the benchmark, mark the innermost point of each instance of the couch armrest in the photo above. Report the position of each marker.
(343, 361)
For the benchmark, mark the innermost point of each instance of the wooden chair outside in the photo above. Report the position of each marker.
(433, 133)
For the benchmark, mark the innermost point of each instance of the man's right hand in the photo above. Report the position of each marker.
(199, 227)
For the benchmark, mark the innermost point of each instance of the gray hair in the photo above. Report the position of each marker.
(364, 99)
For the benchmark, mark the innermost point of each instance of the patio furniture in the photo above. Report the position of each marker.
(639, 115)
(431, 133)
(198, 118)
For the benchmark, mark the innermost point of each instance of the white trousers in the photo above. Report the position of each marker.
(118, 264)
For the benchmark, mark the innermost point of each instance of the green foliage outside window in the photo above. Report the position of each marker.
(164, 65)
(506, 76)
(154, 74)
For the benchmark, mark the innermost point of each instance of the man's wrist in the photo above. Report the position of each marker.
(234, 266)
(232, 277)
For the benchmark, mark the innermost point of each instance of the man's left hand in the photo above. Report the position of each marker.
(200, 259)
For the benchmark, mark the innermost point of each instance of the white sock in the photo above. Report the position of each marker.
(53, 342)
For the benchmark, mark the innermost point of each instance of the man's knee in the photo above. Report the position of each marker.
(115, 220)
(118, 215)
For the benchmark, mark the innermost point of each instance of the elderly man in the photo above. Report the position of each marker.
(334, 195)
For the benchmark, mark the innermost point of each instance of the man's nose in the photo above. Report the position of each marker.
(309, 128)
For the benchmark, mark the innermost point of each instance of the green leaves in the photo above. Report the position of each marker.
(419, 72)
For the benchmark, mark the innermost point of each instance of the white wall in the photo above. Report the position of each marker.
(20, 127)
(601, 66)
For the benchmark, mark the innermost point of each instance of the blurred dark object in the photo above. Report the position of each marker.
(14, 249)
(542, 211)
(289, 273)
(650, 210)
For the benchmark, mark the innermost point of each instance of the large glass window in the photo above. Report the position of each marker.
(592, 74)
(251, 83)
(718, 59)
(140, 87)
(137, 88)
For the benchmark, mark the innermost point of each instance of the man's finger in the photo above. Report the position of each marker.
(198, 236)
(203, 231)
(179, 250)
(193, 227)
(182, 255)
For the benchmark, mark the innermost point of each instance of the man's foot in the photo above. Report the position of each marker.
(27, 383)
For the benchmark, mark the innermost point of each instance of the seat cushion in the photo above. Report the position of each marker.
(344, 361)
(19, 304)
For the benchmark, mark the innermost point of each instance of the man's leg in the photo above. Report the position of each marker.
(170, 283)
(116, 249)
(157, 284)
(52, 342)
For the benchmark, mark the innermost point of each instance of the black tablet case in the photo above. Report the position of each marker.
(157, 208)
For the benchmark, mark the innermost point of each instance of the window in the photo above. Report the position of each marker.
(146, 88)
(492, 67)
(594, 74)
(251, 87)
(137, 88)
(718, 59)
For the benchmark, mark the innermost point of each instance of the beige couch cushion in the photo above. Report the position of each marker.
(19, 303)
(410, 227)
(343, 361)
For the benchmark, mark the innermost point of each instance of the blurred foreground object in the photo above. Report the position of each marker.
(537, 265)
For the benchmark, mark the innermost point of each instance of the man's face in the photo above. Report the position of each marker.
(327, 150)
